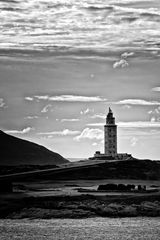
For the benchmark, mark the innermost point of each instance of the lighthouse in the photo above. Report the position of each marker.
(110, 142)
(110, 135)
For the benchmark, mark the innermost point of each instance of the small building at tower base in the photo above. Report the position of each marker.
(120, 156)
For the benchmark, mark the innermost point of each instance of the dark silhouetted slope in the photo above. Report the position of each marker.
(131, 169)
(16, 151)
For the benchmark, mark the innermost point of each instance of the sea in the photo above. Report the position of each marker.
(137, 228)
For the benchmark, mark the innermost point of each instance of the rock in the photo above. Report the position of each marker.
(128, 211)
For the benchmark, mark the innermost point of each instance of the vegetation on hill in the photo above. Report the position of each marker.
(131, 169)
(5, 170)
(80, 206)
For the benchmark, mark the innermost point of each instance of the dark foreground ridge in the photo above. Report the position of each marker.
(90, 170)
(16, 151)
(131, 169)
(83, 206)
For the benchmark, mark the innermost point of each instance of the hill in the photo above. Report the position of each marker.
(16, 151)
(130, 169)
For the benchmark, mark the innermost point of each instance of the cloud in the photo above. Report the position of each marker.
(24, 131)
(139, 132)
(29, 98)
(2, 103)
(96, 124)
(90, 133)
(92, 75)
(43, 97)
(34, 15)
(46, 108)
(155, 111)
(67, 98)
(126, 106)
(70, 120)
(137, 102)
(8, 1)
(87, 111)
(121, 63)
(127, 54)
(133, 141)
(138, 124)
(156, 89)
(31, 117)
(84, 112)
(65, 132)
(94, 144)
(102, 116)
(153, 119)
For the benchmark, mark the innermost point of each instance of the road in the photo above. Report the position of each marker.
(61, 168)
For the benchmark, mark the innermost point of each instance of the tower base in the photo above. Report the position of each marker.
(119, 156)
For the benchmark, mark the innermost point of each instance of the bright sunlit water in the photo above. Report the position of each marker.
(71, 229)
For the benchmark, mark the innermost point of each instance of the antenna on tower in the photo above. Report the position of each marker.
(110, 111)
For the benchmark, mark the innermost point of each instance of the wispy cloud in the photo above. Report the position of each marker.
(24, 131)
(70, 120)
(58, 18)
(133, 141)
(42, 97)
(98, 124)
(94, 144)
(46, 108)
(126, 106)
(2, 103)
(127, 54)
(67, 98)
(153, 119)
(29, 98)
(102, 116)
(137, 102)
(139, 133)
(86, 111)
(137, 124)
(31, 117)
(64, 132)
(90, 133)
(156, 89)
(155, 111)
(72, 98)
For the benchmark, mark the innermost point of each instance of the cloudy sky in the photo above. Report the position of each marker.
(63, 63)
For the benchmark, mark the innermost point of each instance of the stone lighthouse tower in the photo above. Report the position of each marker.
(110, 135)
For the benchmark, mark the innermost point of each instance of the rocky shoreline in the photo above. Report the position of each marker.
(148, 209)
(83, 206)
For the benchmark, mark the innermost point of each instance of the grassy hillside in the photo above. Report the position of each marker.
(131, 169)
(16, 151)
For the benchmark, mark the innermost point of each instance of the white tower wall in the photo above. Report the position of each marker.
(110, 135)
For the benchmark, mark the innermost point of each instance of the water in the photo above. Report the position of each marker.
(77, 229)
(81, 28)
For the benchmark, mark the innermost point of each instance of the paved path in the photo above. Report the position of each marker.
(61, 168)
